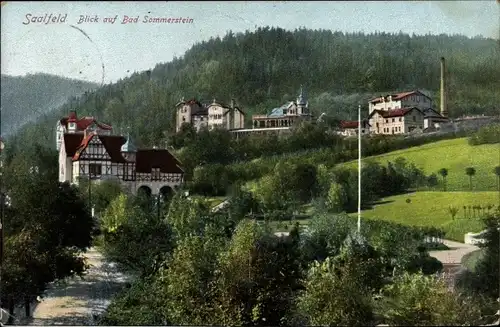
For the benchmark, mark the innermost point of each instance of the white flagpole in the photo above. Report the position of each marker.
(359, 168)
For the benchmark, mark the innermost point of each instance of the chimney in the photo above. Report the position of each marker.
(444, 105)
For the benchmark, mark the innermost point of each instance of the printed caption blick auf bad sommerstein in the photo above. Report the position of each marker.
(44, 19)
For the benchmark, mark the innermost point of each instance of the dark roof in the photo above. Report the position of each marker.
(237, 108)
(156, 158)
(71, 142)
(76, 143)
(197, 109)
(394, 112)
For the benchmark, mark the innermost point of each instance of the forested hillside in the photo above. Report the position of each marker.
(262, 69)
(25, 98)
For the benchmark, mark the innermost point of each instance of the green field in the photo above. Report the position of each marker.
(432, 209)
(454, 155)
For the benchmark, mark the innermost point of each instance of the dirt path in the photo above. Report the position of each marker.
(76, 301)
(454, 255)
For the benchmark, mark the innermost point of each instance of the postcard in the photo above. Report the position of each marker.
(265, 163)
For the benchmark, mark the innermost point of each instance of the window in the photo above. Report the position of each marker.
(201, 118)
(393, 120)
(414, 118)
(183, 119)
(400, 119)
(95, 169)
(155, 173)
(387, 120)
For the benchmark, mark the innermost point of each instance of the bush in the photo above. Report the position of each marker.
(486, 135)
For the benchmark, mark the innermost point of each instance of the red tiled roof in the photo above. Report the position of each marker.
(397, 96)
(352, 123)
(156, 158)
(349, 124)
(83, 123)
(394, 112)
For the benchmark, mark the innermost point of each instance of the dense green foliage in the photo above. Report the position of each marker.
(27, 98)
(208, 154)
(486, 274)
(262, 69)
(488, 134)
(47, 226)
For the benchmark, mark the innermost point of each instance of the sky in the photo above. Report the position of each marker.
(62, 47)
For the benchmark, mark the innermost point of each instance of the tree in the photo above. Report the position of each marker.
(416, 299)
(334, 296)
(188, 279)
(135, 238)
(470, 171)
(48, 225)
(336, 198)
(496, 171)
(257, 278)
(484, 279)
(443, 172)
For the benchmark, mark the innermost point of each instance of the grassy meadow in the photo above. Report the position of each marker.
(454, 155)
(432, 209)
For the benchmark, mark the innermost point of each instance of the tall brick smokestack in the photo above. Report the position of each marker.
(444, 93)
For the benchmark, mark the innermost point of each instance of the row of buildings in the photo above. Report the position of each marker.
(232, 118)
(399, 113)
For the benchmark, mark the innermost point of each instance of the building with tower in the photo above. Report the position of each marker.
(73, 124)
(285, 115)
(280, 120)
(95, 154)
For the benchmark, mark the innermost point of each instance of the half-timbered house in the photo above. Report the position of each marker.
(93, 156)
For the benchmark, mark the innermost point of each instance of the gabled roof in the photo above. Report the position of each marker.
(429, 112)
(112, 145)
(394, 112)
(225, 106)
(236, 108)
(398, 96)
(146, 160)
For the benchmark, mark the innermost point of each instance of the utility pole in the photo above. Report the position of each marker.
(2, 200)
(359, 168)
(158, 204)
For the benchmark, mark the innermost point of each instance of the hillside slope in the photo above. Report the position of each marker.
(454, 155)
(262, 69)
(25, 98)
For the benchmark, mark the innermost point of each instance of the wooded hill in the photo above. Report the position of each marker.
(25, 98)
(262, 69)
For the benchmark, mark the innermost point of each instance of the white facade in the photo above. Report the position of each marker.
(224, 117)
(399, 101)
